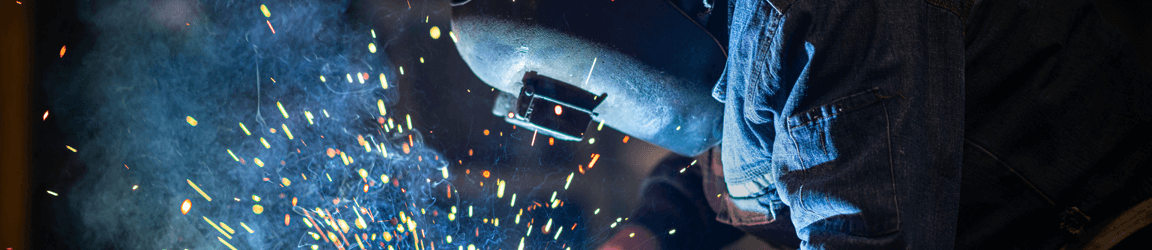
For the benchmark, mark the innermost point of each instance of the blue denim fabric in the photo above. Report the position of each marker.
(849, 114)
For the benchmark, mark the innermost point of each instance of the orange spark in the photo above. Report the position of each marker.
(594, 158)
(331, 153)
(45, 115)
(486, 173)
(187, 205)
(62, 49)
(286, 219)
(626, 139)
(551, 141)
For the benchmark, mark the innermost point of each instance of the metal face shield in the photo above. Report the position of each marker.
(644, 67)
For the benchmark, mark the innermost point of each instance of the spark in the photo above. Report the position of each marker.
(233, 155)
(247, 228)
(52, 193)
(270, 26)
(226, 227)
(360, 76)
(500, 189)
(444, 173)
(45, 115)
(589, 70)
(596, 212)
(673, 231)
(286, 131)
(486, 174)
(285, 181)
(62, 49)
(265, 142)
(373, 33)
(558, 110)
(264, 9)
(533, 138)
(383, 81)
(309, 116)
(287, 218)
(401, 70)
(257, 209)
(435, 32)
(408, 117)
(626, 139)
(242, 127)
(70, 148)
(226, 243)
(591, 141)
(217, 227)
(558, 231)
(285, 113)
(372, 47)
(551, 141)
(134, 187)
(594, 158)
(198, 190)
(258, 161)
(453, 36)
(569, 181)
(421, 59)
(485, 132)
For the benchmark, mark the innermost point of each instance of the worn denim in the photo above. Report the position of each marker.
(849, 115)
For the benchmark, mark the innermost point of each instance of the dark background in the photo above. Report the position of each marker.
(442, 95)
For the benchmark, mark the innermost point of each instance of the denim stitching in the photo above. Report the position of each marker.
(1010, 169)
(891, 162)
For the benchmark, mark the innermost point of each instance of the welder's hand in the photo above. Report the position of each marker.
(632, 237)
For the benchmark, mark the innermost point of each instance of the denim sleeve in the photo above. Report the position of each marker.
(850, 115)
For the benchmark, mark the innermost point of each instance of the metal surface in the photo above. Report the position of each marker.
(656, 66)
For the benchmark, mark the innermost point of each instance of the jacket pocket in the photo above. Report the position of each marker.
(839, 176)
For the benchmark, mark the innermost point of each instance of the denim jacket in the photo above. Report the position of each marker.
(853, 120)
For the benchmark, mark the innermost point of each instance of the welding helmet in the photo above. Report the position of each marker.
(643, 67)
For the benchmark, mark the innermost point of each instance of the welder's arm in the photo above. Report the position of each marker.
(673, 214)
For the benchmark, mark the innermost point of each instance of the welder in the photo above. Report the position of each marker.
(912, 124)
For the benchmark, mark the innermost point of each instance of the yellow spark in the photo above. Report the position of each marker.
(435, 32)
(309, 116)
(500, 189)
(548, 226)
(553, 197)
(226, 243)
(285, 113)
(265, 10)
(401, 70)
(322, 79)
(521, 244)
(285, 181)
(45, 116)
(191, 121)
(591, 140)
(325, 112)
(245, 129)
(518, 216)
(233, 155)
(363, 173)
(569, 181)
(469, 211)
(198, 190)
(360, 76)
(372, 47)
(513, 200)
(349, 76)
(409, 119)
(265, 142)
(134, 187)
(453, 36)
(256, 198)
(673, 231)
(360, 222)
(52, 193)
(258, 162)
(247, 228)
(383, 81)
(286, 131)
(257, 209)
(344, 157)
(226, 227)
(380, 105)
(343, 225)
(421, 59)
(448, 239)
(596, 212)
(359, 242)
(70, 148)
(444, 172)
(373, 33)
(601, 126)
(217, 227)
(558, 231)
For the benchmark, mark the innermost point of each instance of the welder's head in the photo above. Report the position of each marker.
(643, 67)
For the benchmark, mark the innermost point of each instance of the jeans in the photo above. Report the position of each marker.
(848, 115)
(853, 121)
